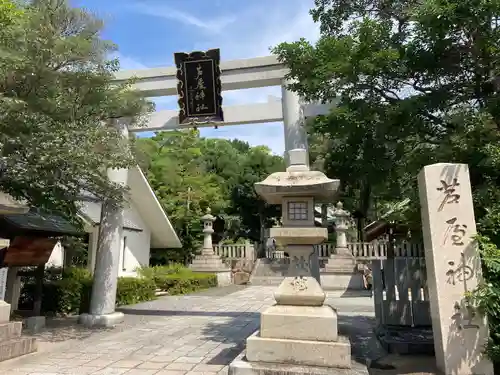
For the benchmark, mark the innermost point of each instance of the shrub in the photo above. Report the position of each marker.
(71, 293)
(487, 295)
(151, 272)
(185, 282)
(133, 290)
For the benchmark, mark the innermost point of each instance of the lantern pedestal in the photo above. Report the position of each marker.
(212, 264)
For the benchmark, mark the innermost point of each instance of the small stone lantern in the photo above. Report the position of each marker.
(341, 226)
(299, 330)
(341, 262)
(208, 261)
(208, 221)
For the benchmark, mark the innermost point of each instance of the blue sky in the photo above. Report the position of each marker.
(149, 32)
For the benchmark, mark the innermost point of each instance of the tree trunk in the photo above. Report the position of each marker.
(364, 208)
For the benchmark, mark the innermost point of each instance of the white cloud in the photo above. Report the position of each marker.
(250, 32)
(213, 25)
(128, 63)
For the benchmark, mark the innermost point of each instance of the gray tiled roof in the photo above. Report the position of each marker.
(92, 210)
(37, 220)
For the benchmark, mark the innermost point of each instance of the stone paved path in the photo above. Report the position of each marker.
(193, 335)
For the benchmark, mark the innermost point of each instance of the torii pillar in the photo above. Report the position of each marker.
(296, 138)
(103, 300)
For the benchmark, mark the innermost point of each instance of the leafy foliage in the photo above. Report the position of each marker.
(190, 174)
(487, 296)
(56, 95)
(416, 82)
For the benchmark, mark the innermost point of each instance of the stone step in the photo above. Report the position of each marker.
(10, 330)
(14, 348)
(266, 280)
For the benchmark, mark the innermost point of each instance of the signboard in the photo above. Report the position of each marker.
(28, 251)
(199, 87)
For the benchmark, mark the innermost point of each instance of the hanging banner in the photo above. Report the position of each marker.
(199, 87)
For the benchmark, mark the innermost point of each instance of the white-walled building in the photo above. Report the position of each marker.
(146, 226)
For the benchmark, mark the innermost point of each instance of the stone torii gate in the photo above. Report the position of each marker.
(155, 82)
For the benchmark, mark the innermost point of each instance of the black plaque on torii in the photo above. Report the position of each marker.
(199, 87)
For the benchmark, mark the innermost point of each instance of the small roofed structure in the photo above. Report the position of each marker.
(387, 227)
(32, 236)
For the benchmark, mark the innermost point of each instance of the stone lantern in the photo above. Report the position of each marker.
(207, 261)
(208, 230)
(299, 330)
(341, 226)
(340, 270)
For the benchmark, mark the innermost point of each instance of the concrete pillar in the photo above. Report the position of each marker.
(453, 269)
(293, 122)
(107, 258)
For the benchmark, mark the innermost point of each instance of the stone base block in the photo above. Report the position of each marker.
(315, 323)
(17, 347)
(224, 278)
(204, 262)
(341, 263)
(107, 320)
(10, 330)
(299, 352)
(342, 281)
(35, 324)
(300, 291)
(241, 366)
(4, 311)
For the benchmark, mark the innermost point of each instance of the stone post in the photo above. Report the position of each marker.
(109, 246)
(453, 269)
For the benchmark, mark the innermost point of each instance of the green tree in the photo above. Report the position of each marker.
(176, 169)
(182, 167)
(255, 214)
(56, 97)
(419, 77)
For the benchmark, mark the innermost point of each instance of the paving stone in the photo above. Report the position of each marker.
(111, 371)
(138, 371)
(171, 372)
(203, 367)
(164, 358)
(179, 366)
(173, 335)
(127, 364)
(194, 360)
(152, 365)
